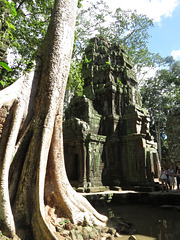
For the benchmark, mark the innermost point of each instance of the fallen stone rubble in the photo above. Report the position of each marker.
(69, 231)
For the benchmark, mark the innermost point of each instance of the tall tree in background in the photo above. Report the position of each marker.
(160, 94)
(34, 189)
(24, 27)
(5, 34)
(125, 27)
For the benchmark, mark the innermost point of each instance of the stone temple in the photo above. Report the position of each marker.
(106, 132)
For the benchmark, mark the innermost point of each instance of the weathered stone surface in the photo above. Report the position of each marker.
(106, 132)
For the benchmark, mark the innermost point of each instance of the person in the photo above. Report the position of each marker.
(178, 177)
(163, 179)
(171, 177)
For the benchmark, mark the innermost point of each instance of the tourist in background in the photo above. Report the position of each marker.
(170, 173)
(163, 179)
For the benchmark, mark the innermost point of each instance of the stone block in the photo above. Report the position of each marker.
(108, 142)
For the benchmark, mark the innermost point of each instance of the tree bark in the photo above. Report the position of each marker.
(35, 192)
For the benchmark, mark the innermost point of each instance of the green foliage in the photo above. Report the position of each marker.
(27, 21)
(119, 82)
(86, 61)
(80, 3)
(3, 83)
(90, 23)
(160, 94)
(62, 224)
(5, 66)
(124, 27)
(131, 30)
(75, 81)
(164, 147)
(31, 25)
(24, 27)
(7, 12)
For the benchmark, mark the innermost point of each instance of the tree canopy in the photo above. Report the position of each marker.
(160, 94)
(125, 27)
(28, 21)
(25, 25)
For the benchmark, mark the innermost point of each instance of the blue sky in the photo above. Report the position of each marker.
(165, 36)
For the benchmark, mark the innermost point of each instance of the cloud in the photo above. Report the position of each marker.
(154, 9)
(176, 54)
(146, 72)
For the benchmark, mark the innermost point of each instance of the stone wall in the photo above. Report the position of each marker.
(109, 124)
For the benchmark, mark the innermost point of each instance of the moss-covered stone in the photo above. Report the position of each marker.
(110, 133)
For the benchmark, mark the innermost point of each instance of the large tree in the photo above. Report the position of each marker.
(30, 19)
(34, 189)
(160, 93)
(125, 27)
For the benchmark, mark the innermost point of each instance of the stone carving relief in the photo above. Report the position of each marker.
(106, 132)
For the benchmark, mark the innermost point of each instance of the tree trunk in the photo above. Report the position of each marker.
(34, 190)
(158, 136)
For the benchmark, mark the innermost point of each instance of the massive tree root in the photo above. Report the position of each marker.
(34, 190)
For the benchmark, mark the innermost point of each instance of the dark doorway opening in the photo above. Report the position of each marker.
(75, 173)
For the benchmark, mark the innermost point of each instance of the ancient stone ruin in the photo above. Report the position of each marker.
(106, 132)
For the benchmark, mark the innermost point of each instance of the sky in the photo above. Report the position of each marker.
(165, 35)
